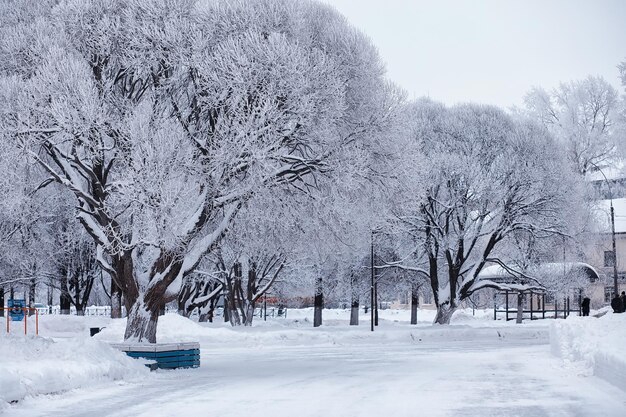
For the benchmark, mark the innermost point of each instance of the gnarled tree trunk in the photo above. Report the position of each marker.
(354, 312)
(318, 303)
(354, 307)
(414, 303)
(520, 308)
(444, 313)
(142, 324)
(31, 296)
(116, 300)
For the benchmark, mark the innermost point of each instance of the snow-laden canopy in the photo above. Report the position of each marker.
(499, 274)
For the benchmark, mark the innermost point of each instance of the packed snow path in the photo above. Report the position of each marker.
(488, 378)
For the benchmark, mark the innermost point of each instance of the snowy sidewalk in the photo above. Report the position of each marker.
(434, 379)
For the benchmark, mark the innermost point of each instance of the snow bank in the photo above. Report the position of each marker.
(31, 365)
(595, 345)
(336, 331)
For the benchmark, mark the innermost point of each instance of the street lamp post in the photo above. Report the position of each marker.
(612, 210)
(615, 289)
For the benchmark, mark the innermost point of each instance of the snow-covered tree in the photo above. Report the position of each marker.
(485, 177)
(581, 114)
(164, 118)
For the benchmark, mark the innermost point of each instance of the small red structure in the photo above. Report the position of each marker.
(26, 311)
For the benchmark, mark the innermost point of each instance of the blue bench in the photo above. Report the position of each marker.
(164, 355)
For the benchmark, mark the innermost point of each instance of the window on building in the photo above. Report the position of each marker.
(608, 294)
(609, 259)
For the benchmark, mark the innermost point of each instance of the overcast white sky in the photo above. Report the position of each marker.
(491, 51)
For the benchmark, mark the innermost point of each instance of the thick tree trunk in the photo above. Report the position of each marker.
(50, 296)
(65, 303)
(31, 296)
(235, 319)
(233, 296)
(414, 303)
(142, 324)
(354, 313)
(80, 311)
(354, 307)
(183, 300)
(318, 303)
(249, 314)
(226, 318)
(205, 312)
(520, 308)
(444, 314)
(65, 300)
(116, 300)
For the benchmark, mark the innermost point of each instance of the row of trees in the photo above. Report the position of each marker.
(191, 150)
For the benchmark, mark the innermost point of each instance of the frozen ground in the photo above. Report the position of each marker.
(476, 367)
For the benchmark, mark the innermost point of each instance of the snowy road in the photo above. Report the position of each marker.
(456, 379)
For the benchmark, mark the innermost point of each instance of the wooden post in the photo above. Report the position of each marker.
(25, 321)
(36, 322)
(506, 304)
(580, 302)
(495, 317)
(543, 308)
(531, 305)
(556, 308)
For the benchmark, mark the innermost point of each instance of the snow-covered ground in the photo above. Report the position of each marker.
(285, 367)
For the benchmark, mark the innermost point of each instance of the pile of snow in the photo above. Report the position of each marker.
(68, 325)
(31, 365)
(299, 331)
(596, 345)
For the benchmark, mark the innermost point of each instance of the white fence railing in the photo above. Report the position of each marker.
(89, 311)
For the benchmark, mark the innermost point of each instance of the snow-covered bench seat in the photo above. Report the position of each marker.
(164, 355)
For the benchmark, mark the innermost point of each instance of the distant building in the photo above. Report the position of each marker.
(610, 186)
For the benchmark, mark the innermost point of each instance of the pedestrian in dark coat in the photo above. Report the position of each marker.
(585, 306)
(616, 304)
